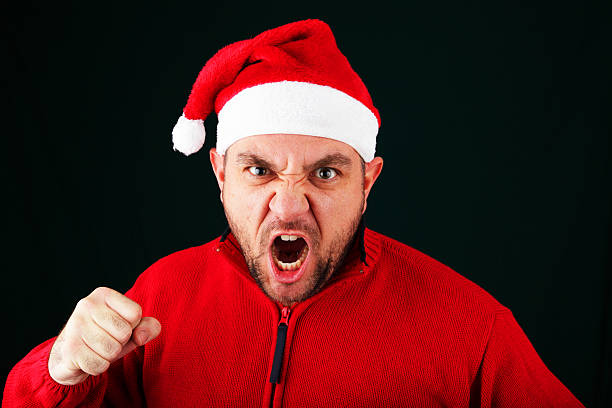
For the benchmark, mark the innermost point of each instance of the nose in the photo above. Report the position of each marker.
(289, 203)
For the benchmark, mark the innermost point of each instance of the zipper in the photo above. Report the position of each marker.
(279, 350)
(281, 337)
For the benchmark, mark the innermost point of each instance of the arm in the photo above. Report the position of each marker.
(95, 358)
(512, 374)
(30, 385)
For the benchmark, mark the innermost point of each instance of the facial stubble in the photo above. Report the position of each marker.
(326, 264)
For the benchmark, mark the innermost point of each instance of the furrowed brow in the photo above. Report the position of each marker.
(332, 160)
(252, 159)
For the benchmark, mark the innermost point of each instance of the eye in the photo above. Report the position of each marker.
(258, 171)
(326, 173)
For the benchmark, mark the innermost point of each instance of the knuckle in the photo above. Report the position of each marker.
(100, 291)
(70, 327)
(108, 347)
(118, 323)
(111, 348)
(124, 337)
(94, 365)
(138, 311)
(84, 304)
(134, 313)
(122, 329)
(73, 346)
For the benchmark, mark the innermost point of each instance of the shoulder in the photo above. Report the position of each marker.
(430, 282)
(445, 313)
(175, 273)
(185, 260)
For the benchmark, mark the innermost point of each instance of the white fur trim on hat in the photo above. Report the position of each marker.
(302, 108)
(188, 135)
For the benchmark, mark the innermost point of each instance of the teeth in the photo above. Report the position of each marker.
(293, 265)
(289, 237)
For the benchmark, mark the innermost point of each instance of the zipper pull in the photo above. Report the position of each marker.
(281, 337)
(285, 316)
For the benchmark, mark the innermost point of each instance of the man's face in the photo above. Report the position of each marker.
(294, 203)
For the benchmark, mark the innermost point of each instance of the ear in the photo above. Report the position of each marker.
(372, 171)
(218, 167)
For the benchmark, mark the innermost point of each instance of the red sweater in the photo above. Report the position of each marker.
(399, 329)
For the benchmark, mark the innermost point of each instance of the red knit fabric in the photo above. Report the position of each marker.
(404, 331)
(304, 51)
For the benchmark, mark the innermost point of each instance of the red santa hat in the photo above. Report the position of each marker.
(291, 79)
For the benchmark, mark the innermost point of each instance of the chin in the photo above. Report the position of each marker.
(288, 293)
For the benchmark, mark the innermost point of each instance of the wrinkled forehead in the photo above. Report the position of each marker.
(295, 151)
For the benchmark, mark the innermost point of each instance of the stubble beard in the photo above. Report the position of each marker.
(326, 265)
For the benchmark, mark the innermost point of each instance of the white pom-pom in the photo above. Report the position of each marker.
(188, 135)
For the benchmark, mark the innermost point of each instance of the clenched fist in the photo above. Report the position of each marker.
(104, 327)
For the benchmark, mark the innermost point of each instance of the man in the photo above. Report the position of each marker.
(297, 304)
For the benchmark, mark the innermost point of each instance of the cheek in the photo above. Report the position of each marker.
(336, 209)
(246, 206)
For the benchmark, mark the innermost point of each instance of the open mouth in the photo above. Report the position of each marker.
(289, 252)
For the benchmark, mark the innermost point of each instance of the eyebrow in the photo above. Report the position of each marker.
(252, 159)
(330, 160)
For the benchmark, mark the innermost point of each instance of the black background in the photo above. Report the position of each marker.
(495, 136)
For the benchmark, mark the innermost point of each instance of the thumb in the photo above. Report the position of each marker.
(147, 329)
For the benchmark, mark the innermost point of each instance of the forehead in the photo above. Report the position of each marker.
(284, 148)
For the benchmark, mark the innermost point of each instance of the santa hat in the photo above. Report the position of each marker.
(291, 79)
